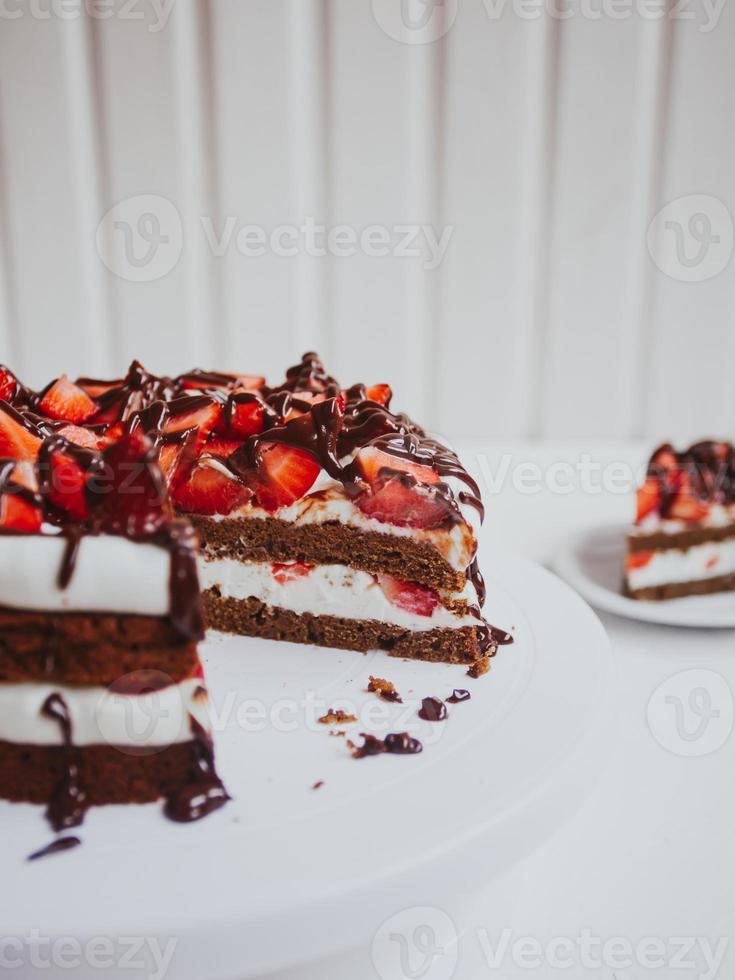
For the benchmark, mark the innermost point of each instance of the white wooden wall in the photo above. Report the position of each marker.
(548, 146)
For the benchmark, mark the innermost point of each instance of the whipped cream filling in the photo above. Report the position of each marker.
(101, 716)
(701, 561)
(328, 590)
(327, 501)
(111, 574)
(718, 515)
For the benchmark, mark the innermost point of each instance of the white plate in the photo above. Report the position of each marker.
(285, 873)
(592, 562)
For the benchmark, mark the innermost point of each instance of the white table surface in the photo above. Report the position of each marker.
(652, 852)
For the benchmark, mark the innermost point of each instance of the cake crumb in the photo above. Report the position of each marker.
(339, 734)
(479, 667)
(335, 716)
(318, 784)
(384, 689)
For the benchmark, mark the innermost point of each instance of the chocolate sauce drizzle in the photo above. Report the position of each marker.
(60, 844)
(458, 695)
(395, 743)
(67, 805)
(433, 709)
(708, 468)
(204, 792)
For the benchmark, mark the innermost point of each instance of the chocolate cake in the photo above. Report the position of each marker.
(102, 697)
(322, 515)
(683, 541)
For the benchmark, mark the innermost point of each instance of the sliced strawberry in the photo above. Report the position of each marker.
(291, 571)
(381, 394)
(409, 596)
(8, 384)
(193, 412)
(372, 460)
(638, 559)
(219, 446)
(96, 388)
(242, 418)
(250, 382)
(66, 401)
(16, 440)
(712, 562)
(24, 475)
(17, 514)
(664, 459)
(209, 491)
(286, 473)
(66, 482)
(400, 500)
(83, 437)
(175, 460)
(685, 507)
(129, 495)
(648, 498)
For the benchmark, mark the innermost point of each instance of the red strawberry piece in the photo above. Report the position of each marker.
(66, 401)
(291, 571)
(83, 437)
(409, 596)
(97, 388)
(286, 474)
(209, 491)
(648, 498)
(242, 418)
(129, 494)
(24, 475)
(8, 384)
(638, 559)
(685, 507)
(17, 514)
(381, 394)
(400, 500)
(250, 381)
(221, 447)
(193, 412)
(175, 461)
(17, 441)
(712, 562)
(372, 460)
(66, 483)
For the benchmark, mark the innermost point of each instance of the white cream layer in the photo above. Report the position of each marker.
(111, 574)
(327, 501)
(100, 716)
(702, 561)
(328, 590)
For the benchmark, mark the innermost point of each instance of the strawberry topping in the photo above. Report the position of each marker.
(128, 496)
(286, 474)
(372, 461)
(409, 596)
(17, 514)
(66, 485)
(381, 394)
(242, 418)
(83, 437)
(209, 491)
(638, 559)
(400, 500)
(16, 439)
(8, 384)
(66, 401)
(291, 571)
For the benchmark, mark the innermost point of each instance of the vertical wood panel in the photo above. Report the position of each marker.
(693, 346)
(256, 183)
(42, 210)
(137, 81)
(370, 178)
(486, 74)
(309, 108)
(586, 352)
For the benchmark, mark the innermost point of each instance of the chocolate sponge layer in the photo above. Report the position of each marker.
(330, 543)
(251, 617)
(89, 648)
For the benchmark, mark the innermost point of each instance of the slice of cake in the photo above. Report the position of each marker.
(323, 516)
(683, 541)
(102, 697)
